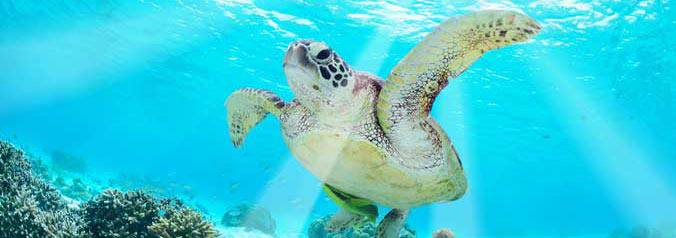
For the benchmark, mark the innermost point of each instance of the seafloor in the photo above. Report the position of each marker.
(41, 200)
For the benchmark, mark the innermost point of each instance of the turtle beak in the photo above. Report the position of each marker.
(296, 54)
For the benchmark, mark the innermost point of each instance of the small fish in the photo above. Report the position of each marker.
(233, 187)
(297, 202)
(266, 169)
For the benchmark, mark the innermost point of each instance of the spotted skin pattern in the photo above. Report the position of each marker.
(374, 139)
(328, 63)
(392, 224)
(343, 220)
(336, 71)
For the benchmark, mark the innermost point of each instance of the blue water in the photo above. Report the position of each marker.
(570, 134)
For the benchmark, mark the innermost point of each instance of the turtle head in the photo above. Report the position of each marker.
(317, 74)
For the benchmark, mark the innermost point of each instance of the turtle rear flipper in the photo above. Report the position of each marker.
(359, 208)
(391, 225)
(247, 107)
(344, 219)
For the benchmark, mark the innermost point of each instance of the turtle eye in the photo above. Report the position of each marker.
(323, 54)
(319, 52)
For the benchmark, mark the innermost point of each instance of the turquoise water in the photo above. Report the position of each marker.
(569, 134)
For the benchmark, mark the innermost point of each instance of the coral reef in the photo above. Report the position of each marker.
(183, 223)
(20, 217)
(137, 214)
(30, 208)
(250, 217)
(118, 214)
(365, 230)
(40, 169)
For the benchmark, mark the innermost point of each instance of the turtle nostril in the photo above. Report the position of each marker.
(291, 47)
(304, 42)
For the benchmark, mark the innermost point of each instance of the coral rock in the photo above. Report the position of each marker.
(250, 217)
(365, 230)
(443, 233)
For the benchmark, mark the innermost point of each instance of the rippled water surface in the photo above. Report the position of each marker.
(569, 134)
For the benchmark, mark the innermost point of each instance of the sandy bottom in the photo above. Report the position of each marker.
(238, 232)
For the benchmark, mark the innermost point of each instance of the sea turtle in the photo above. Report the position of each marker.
(372, 141)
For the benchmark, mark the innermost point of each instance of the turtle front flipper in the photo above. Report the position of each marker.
(413, 84)
(411, 88)
(247, 107)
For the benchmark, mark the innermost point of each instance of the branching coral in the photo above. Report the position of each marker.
(118, 214)
(31, 208)
(28, 206)
(137, 214)
(40, 169)
(182, 222)
(21, 217)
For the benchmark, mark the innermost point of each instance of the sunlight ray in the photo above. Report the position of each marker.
(620, 160)
(290, 196)
(371, 60)
(294, 174)
(467, 207)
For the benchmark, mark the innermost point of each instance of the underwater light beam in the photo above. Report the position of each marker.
(621, 163)
(307, 187)
(308, 193)
(278, 197)
(467, 206)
